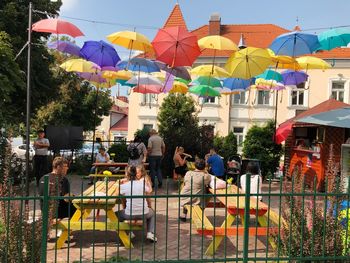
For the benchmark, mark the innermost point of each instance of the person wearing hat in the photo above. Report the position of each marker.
(156, 150)
(41, 146)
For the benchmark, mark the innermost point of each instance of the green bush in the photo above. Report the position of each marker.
(227, 146)
(119, 152)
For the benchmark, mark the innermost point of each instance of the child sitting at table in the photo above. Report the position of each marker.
(142, 175)
(195, 183)
(137, 208)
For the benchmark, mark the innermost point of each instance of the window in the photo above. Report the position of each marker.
(148, 98)
(298, 95)
(209, 100)
(263, 97)
(338, 90)
(239, 98)
(238, 131)
(147, 126)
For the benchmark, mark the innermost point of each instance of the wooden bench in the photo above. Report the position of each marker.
(199, 219)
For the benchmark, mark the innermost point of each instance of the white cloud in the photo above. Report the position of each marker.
(69, 5)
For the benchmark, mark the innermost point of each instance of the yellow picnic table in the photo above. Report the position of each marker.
(84, 207)
(235, 206)
(103, 166)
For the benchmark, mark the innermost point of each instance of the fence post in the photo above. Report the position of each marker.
(246, 218)
(45, 218)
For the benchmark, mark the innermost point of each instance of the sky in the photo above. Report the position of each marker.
(146, 16)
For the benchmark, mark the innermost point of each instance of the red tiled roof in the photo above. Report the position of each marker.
(337, 53)
(121, 125)
(175, 18)
(118, 109)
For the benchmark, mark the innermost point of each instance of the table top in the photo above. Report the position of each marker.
(237, 202)
(113, 164)
(100, 188)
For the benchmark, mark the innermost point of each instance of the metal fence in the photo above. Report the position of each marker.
(294, 223)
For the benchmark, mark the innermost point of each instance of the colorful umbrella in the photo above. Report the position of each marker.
(148, 89)
(283, 131)
(270, 75)
(57, 26)
(93, 77)
(248, 62)
(139, 64)
(176, 46)
(179, 87)
(205, 80)
(144, 79)
(209, 70)
(236, 84)
(204, 91)
(217, 42)
(333, 38)
(308, 62)
(180, 72)
(117, 75)
(226, 91)
(291, 77)
(100, 52)
(263, 84)
(65, 47)
(295, 44)
(130, 40)
(79, 65)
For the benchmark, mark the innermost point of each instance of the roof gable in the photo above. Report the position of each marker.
(121, 125)
(175, 18)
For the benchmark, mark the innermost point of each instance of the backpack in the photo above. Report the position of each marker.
(134, 152)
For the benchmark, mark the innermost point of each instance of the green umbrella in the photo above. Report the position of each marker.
(270, 75)
(183, 80)
(337, 37)
(209, 81)
(204, 91)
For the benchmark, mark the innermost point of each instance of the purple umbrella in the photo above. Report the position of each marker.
(92, 77)
(291, 77)
(100, 52)
(65, 47)
(180, 72)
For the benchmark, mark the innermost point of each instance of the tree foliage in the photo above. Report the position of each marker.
(178, 124)
(227, 145)
(259, 144)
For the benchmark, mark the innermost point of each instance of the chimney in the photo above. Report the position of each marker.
(214, 24)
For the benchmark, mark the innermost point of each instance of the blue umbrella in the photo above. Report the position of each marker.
(333, 38)
(295, 44)
(238, 84)
(65, 47)
(100, 52)
(139, 64)
(291, 77)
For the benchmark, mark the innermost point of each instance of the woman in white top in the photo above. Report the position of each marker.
(137, 208)
(255, 180)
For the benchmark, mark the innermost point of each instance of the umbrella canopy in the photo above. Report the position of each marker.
(209, 70)
(248, 62)
(204, 91)
(180, 72)
(117, 75)
(217, 42)
(148, 89)
(139, 64)
(295, 44)
(79, 65)
(263, 84)
(209, 81)
(291, 77)
(271, 75)
(144, 79)
(336, 118)
(65, 47)
(100, 52)
(226, 91)
(308, 62)
(179, 87)
(93, 77)
(176, 46)
(130, 40)
(333, 38)
(236, 84)
(283, 131)
(57, 26)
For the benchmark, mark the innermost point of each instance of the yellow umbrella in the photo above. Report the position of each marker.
(248, 62)
(217, 42)
(159, 75)
(121, 74)
(308, 62)
(179, 87)
(79, 65)
(285, 62)
(210, 70)
(130, 40)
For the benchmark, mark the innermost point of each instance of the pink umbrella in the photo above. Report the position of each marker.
(148, 89)
(57, 26)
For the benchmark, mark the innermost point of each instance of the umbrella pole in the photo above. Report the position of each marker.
(275, 124)
(132, 43)
(94, 132)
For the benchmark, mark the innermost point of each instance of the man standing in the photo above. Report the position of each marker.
(156, 150)
(41, 146)
(216, 164)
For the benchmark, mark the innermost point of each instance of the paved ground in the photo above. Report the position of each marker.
(175, 240)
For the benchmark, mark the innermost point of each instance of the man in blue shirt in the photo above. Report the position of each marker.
(216, 164)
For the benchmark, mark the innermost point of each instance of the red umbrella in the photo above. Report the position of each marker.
(283, 131)
(148, 89)
(176, 46)
(57, 26)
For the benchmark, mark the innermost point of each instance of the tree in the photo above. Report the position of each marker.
(227, 146)
(259, 144)
(178, 124)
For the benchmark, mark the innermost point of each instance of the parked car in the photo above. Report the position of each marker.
(86, 149)
(20, 152)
